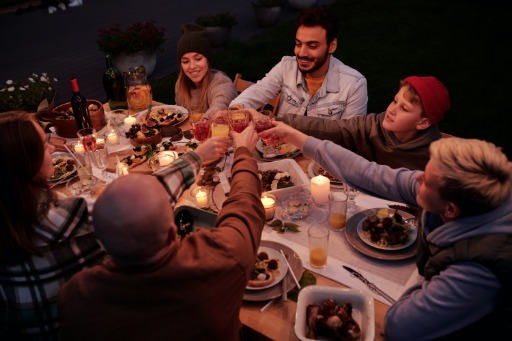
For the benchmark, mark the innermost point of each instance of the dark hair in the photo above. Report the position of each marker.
(24, 199)
(320, 16)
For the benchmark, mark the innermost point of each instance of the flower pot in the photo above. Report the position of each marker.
(301, 4)
(267, 16)
(125, 61)
(218, 36)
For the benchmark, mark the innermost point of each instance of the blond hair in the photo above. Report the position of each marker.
(474, 174)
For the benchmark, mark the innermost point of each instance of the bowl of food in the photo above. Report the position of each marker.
(78, 186)
(297, 205)
(350, 313)
(144, 133)
(63, 120)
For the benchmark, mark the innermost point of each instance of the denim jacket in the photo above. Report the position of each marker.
(343, 93)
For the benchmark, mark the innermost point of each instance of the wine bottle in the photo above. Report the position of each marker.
(79, 106)
(113, 82)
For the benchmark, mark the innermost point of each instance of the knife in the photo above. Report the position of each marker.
(369, 284)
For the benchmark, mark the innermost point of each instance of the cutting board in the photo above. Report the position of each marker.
(141, 168)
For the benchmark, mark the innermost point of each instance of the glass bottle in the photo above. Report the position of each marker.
(139, 94)
(113, 82)
(79, 106)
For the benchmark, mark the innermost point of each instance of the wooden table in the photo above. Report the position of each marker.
(278, 320)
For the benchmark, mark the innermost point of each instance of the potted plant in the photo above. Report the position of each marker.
(267, 12)
(28, 94)
(218, 27)
(132, 46)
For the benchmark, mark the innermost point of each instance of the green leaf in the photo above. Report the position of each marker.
(279, 229)
(307, 279)
(292, 227)
(276, 222)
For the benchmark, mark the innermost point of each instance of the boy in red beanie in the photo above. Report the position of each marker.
(398, 137)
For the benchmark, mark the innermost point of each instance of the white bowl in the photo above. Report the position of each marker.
(363, 310)
(297, 175)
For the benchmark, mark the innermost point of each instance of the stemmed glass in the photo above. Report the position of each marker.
(99, 159)
(351, 193)
(264, 123)
(88, 138)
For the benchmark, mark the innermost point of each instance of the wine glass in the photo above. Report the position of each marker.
(88, 138)
(351, 193)
(238, 119)
(201, 129)
(270, 141)
(99, 159)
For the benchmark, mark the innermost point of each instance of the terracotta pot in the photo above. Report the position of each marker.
(67, 127)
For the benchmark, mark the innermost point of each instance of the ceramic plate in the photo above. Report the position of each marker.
(314, 170)
(66, 174)
(284, 150)
(361, 246)
(173, 108)
(279, 273)
(412, 237)
(275, 291)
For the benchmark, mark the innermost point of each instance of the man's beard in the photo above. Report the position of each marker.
(317, 64)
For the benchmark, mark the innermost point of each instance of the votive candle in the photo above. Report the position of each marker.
(129, 121)
(269, 204)
(121, 169)
(201, 198)
(112, 137)
(79, 148)
(320, 188)
(166, 157)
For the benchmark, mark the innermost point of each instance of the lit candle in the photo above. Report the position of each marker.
(269, 204)
(112, 137)
(100, 142)
(166, 157)
(79, 148)
(201, 198)
(320, 188)
(121, 169)
(129, 121)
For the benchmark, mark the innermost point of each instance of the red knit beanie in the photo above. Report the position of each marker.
(434, 96)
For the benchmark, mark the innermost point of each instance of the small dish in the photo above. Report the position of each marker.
(363, 310)
(297, 205)
(279, 273)
(79, 187)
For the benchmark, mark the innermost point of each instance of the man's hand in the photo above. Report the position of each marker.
(287, 133)
(213, 148)
(247, 138)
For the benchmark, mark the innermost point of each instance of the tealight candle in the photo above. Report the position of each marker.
(201, 198)
(100, 142)
(269, 204)
(79, 148)
(129, 121)
(121, 169)
(166, 157)
(320, 188)
(112, 137)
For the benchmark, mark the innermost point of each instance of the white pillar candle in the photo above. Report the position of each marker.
(201, 198)
(269, 204)
(79, 148)
(320, 188)
(166, 157)
(129, 121)
(112, 137)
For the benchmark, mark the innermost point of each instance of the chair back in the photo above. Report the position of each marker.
(242, 84)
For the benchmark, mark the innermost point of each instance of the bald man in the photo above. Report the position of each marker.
(156, 287)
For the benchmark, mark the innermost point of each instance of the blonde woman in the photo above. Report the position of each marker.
(199, 85)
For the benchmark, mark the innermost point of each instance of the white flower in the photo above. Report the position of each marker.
(55, 79)
(44, 79)
(35, 75)
(31, 79)
(11, 89)
(45, 74)
(22, 88)
(9, 82)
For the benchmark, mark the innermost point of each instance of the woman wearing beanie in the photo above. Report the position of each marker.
(199, 85)
(398, 137)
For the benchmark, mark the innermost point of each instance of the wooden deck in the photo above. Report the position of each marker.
(64, 44)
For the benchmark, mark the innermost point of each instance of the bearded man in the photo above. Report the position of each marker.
(313, 83)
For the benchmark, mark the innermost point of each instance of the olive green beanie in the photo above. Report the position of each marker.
(194, 40)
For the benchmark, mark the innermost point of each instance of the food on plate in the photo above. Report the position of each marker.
(166, 116)
(61, 166)
(142, 152)
(264, 272)
(144, 130)
(274, 179)
(384, 230)
(325, 173)
(331, 320)
(210, 177)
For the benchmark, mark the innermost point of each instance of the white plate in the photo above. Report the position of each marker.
(284, 150)
(313, 169)
(363, 310)
(279, 273)
(175, 108)
(412, 237)
(68, 173)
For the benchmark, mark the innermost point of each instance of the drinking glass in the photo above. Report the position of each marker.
(337, 210)
(264, 123)
(139, 94)
(195, 113)
(99, 159)
(220, 126)
(318, 237)
(201, 129)
(238, 119)
(88, 138)
(351, 193)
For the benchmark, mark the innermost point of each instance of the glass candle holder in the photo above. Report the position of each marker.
(112, 137)
(269, 202)
(122, 169)
(200, 195)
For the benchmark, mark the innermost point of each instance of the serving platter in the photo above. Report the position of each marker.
(169, 109)
(412, 237)
(285, 150)
(279, 273)
(275, 291)
(314, 169)
(357, 243)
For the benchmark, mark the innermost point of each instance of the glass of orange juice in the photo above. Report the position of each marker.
(220, 126)
(195, 113)
(318, 237)
(337, 210)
